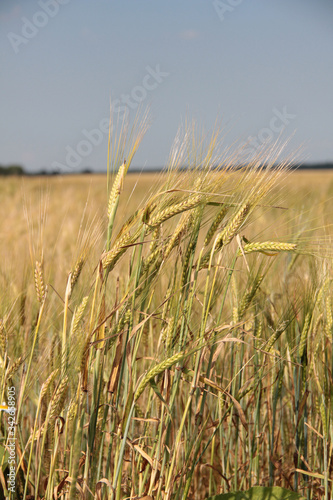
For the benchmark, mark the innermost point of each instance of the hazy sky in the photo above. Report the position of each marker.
(259, 67)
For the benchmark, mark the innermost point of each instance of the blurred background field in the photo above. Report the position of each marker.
(56, 207)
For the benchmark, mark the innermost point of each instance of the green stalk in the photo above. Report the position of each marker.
(158, 452)
(31, 450)
(111, 224)
(121, 453)
(41, 309)
(177, 442)
(49, 489)
(76, 455)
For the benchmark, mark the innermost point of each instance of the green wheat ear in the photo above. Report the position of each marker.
(268, 247)
(157, 370)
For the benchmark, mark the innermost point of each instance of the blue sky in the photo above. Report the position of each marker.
(262, 68)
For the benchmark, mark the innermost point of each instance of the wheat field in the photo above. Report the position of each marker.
(167, 335)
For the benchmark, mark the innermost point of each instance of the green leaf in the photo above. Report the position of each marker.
(259, 493)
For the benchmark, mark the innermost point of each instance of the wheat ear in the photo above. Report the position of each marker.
(268, 246)
(13, 369)
(116, 188)
(78, 315)
(231, 229)
(111, 257)
(39, 282)
(76, 272)
(48, 382)
(304, 334)
(3, 337)
(248, 297)
(58, 400)
(156, 370)
(183, 206)
(215, 224)
(184, 222)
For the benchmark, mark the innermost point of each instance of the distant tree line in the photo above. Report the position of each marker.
(18, 170)
(12, 170)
